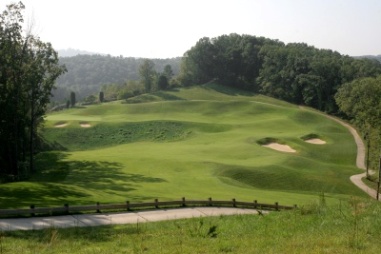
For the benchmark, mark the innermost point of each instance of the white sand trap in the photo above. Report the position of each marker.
(315, 141)
(281, 148)
(60, 125)
(85, 125)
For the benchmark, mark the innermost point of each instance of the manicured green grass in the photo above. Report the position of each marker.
(196, 143)
(348, 227)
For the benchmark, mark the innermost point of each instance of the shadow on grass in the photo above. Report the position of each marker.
(228, 90)
(167, 96)
(78, 234)
(45, 145)
(60, 181)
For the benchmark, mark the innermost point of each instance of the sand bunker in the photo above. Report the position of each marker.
(281, 148)
(315, 141)
(85, 125)
(61, 125)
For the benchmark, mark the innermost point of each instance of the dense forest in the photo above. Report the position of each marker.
(86, 74)
(294, 72)
(378, 57)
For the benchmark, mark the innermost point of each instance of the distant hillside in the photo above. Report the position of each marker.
(87, 73)
(378, 57)
(74, 52)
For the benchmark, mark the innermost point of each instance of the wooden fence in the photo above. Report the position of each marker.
(67, 209)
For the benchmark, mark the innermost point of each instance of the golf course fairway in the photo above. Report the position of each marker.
(198, 142)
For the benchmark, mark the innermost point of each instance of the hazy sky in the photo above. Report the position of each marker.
(167, 28)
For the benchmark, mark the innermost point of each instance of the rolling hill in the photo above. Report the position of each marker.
(194, 142)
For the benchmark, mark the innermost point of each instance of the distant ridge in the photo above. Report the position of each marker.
(377, 57)
(74, 52)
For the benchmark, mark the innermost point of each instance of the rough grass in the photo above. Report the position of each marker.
(348, 227)
(200, 143)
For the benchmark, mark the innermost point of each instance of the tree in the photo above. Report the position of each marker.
(101, 97)
(360, 100)
(72, 99)
(168, 73)
(29, 68)
(147, 74)
(162, 82)
(42, 71)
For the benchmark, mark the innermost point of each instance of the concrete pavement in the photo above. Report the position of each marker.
(87, 220)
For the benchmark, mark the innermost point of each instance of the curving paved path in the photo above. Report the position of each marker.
(87, 220)
(360, 159)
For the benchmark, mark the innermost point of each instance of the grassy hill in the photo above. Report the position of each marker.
(196, 143)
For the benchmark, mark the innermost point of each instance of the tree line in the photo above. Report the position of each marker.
(28, 70)
(295, 72)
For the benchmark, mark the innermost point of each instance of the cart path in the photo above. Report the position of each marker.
(90, 220)
(360, 159)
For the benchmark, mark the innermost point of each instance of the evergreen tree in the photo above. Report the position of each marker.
(72, 99)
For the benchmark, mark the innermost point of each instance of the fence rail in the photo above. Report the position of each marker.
(67, 209)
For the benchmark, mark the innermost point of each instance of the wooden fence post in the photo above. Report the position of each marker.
(128, 205)
(255, 203)
(156, 203)
(98, 211)
(210, 201)
(32, 211)
(276, 206)
(234, 204)
(183, 202)
(66, 206)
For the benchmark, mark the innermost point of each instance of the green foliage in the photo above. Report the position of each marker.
(295, 72)
(101, 96)
(162, 82)
(72, 99)
(168, 72)
(29, 68)
(231, 59)
(147, 74)
(360, 101)
(91, 99)
(126, 90)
